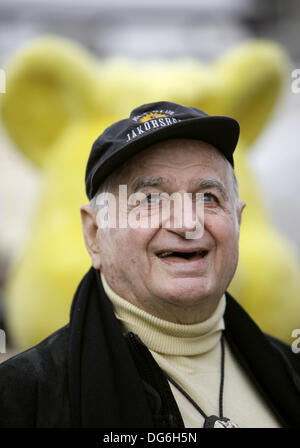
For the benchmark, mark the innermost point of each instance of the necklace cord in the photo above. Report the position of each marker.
(187, 396)
(222, 376)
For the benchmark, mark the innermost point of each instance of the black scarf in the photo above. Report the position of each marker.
(106, 390)
(104, 386)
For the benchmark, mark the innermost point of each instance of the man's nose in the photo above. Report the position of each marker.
(187, 215)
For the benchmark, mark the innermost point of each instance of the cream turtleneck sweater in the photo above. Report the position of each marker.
(191, 355)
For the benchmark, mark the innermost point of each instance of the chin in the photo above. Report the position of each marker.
(188, 290)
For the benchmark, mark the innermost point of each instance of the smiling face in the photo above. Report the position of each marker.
(159, 269)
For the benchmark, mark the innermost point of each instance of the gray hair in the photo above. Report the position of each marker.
(233, 183)
(107, 186)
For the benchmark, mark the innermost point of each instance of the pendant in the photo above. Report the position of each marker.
(218, 422)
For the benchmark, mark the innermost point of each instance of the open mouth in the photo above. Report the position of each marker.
(184, 255)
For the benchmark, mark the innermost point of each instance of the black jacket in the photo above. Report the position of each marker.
(37, 387)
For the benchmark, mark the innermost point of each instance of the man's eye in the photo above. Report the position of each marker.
(152, 199)
(209, 197)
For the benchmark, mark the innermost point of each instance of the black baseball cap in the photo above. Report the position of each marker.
(152, 123)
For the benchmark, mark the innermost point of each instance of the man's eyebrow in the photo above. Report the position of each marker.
(204, 182)
(151, 181)
(201, 183)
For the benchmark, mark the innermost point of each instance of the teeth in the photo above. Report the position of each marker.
(164, 254)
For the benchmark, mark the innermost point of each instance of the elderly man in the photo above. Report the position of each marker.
(154, 338)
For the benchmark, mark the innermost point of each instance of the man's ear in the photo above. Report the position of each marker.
(240, 208)
(90, 230)
(50, 83)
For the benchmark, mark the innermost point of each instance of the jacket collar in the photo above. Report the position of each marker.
(269, 363)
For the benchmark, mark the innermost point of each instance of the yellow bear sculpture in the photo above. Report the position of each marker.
(60, 98)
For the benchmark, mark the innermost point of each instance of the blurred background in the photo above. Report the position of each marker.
(201, 29)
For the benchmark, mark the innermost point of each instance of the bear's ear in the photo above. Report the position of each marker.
(252, 76)
(49, 84)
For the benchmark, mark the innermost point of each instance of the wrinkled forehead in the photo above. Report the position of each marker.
(174, 160)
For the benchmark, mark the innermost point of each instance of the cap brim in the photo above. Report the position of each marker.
(220, 132)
